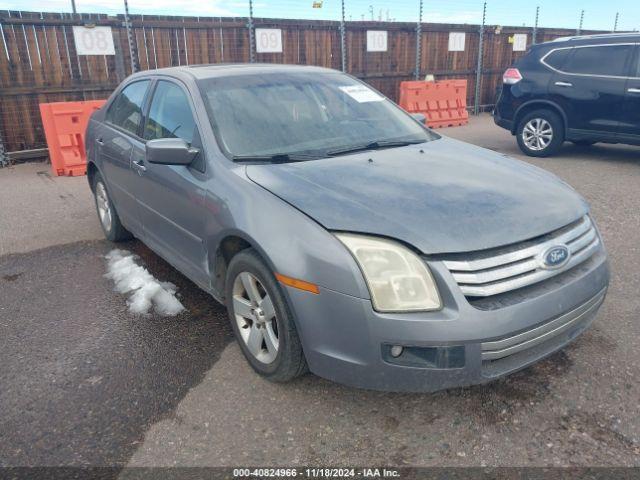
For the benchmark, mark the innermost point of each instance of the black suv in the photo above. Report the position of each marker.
(582, 89)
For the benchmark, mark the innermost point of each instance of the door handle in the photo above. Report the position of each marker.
(633, 90)
(139, 165)
(99, 141)
(564, 84)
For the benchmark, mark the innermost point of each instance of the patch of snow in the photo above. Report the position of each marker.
(145, 291)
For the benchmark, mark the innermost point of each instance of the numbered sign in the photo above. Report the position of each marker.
(456, 41)
(519, 42)
(268, 40)
(93, 41)
(376, 40)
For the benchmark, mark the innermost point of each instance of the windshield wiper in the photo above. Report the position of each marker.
(377, 145)
(275, 158)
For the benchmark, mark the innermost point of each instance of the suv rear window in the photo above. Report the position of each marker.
(609, 60)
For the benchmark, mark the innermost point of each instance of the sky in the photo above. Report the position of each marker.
(598, 14)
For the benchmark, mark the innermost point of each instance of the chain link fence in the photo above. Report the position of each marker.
(41, 59)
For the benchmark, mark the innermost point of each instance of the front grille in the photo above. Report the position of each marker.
(492, 272)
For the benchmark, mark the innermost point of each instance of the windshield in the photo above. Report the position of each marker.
(313, 115)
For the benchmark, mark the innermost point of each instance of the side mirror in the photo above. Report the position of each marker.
(419, 117)
(170, 151)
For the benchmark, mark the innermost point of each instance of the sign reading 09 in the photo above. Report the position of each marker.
(268, 40)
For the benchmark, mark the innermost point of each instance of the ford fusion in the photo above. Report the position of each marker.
(343, 236)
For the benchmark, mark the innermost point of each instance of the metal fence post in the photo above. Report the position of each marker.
(133, 52)
(476, 100)
(252, 43)
(418, 42)
(579, 30)
(534, 35)
(615, 24)
(343, 40)
(4, 160)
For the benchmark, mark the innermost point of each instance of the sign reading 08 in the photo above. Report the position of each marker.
(93, 40)
(268, 40)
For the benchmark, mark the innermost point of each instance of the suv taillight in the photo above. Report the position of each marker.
(511, 76)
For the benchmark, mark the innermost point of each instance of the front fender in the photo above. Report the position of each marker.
(290, 242)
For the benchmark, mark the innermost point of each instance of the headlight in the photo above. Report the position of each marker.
(398, 280)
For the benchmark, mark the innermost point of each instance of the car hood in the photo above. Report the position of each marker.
(441, 196)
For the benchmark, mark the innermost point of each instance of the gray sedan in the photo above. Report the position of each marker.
(344, 237)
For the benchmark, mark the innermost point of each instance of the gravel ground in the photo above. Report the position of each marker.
(84, 382)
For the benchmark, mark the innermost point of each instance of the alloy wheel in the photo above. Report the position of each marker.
(104, 209)
(256, 317)
(537, 134)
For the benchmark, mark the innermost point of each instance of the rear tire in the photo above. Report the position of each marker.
(261, 319)
(107, 215)
(540, 133)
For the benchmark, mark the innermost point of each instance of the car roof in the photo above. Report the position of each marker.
(201, 72)
(625, 37)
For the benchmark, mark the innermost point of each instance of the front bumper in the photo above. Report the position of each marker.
(344, 339)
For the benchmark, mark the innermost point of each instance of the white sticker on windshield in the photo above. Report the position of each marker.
(361, 94)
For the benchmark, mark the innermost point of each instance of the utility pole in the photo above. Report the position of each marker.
(343, 46)
(534, 36)
(132, 48)
(252, 46)
(371, 12)
(418, 42)
(579, 31)
(615, 24)
(476, 101)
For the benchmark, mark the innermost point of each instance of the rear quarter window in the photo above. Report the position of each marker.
(557, 58)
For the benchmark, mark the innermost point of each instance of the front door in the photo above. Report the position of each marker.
(171, 197)
(630, 121)
(116, 139)
(590, 88)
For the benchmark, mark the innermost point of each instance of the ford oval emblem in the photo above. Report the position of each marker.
(556, 257)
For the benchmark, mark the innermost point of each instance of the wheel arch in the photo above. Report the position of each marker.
(223, 250)
(532, 105)
(92, 169)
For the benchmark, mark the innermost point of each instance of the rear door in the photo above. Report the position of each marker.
(117, 138)
(171, 197)
(630, 121)
(590, 88)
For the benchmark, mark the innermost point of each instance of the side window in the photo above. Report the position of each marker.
(605, 60)
(170, 114)
(126, 109)
(557, 58)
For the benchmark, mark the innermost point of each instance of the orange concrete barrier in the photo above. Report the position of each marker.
(64, 127)
(443, 103)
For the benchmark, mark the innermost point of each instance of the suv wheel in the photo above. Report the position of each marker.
(109, 219)
(261, 319)
(540, 133)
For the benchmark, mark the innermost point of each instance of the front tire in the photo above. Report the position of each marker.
(109, 219)
(540, 133)
(261, 319)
